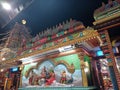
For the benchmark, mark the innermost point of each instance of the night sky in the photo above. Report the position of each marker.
(43, 14)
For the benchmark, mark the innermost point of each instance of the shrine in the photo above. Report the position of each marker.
(66, 56)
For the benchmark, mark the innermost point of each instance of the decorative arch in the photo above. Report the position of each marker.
(70, 68)
(35, 67)
(28, 71)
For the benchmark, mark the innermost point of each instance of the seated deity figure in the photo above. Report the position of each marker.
(51, 79)
(109, 5)
(63, 77)
(32, 78)
(44, 74)
(36, 81)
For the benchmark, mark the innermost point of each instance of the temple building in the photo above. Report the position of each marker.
(67, 56)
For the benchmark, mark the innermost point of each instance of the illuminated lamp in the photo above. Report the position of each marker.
(6, 6)
(3, 59)
(2, 70)
(23, 21)
(86, 70)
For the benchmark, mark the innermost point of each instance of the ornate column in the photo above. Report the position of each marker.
(100, 76)
(96, 72)
(82, 66)
(107, 50)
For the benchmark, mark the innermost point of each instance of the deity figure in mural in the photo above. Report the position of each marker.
(36, 81)
(51, 79)
(63, 77)
(44, 75)
(32, 78)
(70, 81)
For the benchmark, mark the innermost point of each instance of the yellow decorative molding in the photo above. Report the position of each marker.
(84, 78)
(106, 19)
(82, 64)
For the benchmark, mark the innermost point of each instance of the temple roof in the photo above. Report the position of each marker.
(88, 35)
(107, 12)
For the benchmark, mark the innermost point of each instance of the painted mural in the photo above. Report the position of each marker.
(49, 74)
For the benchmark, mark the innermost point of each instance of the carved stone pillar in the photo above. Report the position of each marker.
(108, 52)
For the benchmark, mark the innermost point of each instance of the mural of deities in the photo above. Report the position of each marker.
(57, 72)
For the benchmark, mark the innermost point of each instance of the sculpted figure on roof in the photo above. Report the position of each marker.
(107, 6)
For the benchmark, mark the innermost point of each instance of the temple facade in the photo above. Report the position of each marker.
(66, 56)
